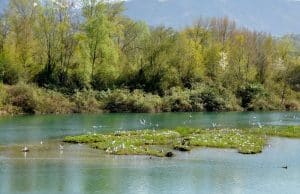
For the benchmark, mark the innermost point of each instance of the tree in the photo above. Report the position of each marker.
(284, 65)
(3, 33)
(21, 41)
(131, 43)
(56, 29)
(97, 40)
(191, 46)
(158, 72)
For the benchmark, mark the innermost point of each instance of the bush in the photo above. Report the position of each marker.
(8, 74)
(248, 93)
(292, 105)
(177, 100)
(77, 81)
(137, 101)
(212, 101)
(51, 102)
(86, 102)
(3, 96)
(24, 97)
(294, 78)
(32, 100)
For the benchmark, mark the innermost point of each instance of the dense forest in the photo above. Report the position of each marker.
(71, 57)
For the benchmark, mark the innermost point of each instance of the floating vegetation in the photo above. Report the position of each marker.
(161, 143)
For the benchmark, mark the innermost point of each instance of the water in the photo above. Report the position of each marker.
(79, 169)
(25, 129)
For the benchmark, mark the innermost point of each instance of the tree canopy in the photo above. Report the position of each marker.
(71, 46)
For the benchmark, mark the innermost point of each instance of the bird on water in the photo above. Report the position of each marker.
(25, 149)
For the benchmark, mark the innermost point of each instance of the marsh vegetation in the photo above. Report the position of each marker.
(161, 142)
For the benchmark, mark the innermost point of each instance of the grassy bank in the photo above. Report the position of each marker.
(30, 99)
(162, 142)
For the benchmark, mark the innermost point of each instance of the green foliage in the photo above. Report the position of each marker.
(212, 100)
(24, 97)
(137, 101)
(51, 102)
(86, 102)
(87, 62)
(8, 73)
(248, 93)
(294, 78)
(177, 100)
(3, 96)
(29, 99)
(159, 142)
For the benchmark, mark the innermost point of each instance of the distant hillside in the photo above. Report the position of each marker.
(3, 4)
(274, 16)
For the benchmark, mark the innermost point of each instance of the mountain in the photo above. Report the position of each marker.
(275, 16)
(3, 4)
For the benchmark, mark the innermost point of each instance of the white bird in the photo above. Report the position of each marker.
(143, 121)
(42, 142)
(214, 125)
(259, 125)
(25, 149)
(61, 147)
(35, 4)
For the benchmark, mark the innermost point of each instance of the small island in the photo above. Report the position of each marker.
(162, 143)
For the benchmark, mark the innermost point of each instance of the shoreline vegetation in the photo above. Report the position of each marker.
(162, 143)
(30, 99)
(51, 62)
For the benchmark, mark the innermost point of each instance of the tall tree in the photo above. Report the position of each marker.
(21, 18)
(97, 39)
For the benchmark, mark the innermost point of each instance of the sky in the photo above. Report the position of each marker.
(277, 17)
(273, 16)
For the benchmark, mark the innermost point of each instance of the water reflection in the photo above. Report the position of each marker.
(37, 128)
(76, 169)
(202, 171)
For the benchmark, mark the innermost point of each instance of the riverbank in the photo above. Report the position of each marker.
(30, 99)
(161, 143)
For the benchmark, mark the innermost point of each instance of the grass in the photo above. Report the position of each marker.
(160, 143)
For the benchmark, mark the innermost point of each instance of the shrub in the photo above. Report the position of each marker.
(145, 102)
(8, 74)
(177, 100)
(248, 93)
(77, 81)
(123, 101)
(24, 97)
(51, 102)
(86, 101)
(211, 100)
(292, 105)
(3, 95)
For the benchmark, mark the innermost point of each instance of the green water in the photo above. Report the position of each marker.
(78, 169)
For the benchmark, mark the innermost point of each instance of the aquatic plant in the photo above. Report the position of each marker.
(160, 142)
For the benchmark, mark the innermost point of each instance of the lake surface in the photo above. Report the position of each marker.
(24, 129)
(79, 169)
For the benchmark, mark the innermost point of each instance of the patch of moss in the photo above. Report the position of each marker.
(160, 142)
